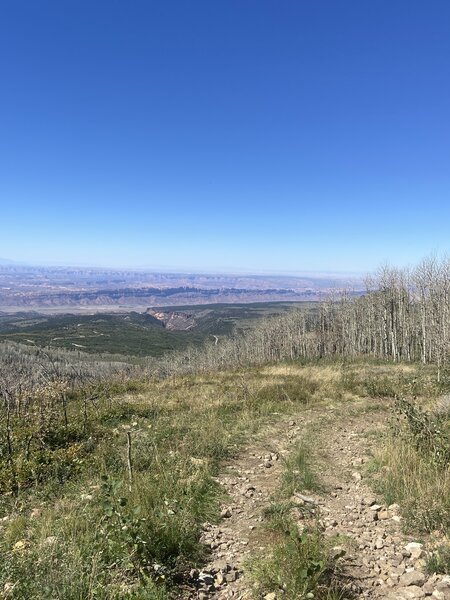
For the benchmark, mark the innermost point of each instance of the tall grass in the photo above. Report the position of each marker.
(409, 477)
(94, 533)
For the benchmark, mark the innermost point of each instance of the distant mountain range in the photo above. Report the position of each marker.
(59, 288)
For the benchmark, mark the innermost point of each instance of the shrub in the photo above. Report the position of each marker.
(299, 565)
(439, 560)
(426, 431)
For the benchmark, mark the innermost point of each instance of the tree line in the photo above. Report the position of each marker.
(402, 316)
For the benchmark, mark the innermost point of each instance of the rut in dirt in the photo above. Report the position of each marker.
(375, 559)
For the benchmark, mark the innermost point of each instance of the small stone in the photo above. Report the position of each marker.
(444, 585)
(412, 578)
(428, 588)
(409, 593)
(397, 572)
(383, 515)
(415, 550)
(396, 560)
(270, 596)
(231, 576)
(223, 566)
(226, 513)
(369, 500)
(356, 476)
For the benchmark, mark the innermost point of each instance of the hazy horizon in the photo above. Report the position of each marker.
(6, 262)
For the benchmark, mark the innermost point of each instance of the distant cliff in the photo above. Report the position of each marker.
(145, 296)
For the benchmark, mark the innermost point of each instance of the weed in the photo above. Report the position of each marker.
(407, 476)
(439, 560)
(425, 431)
(298, 565)
(380, 387)
(298, 474)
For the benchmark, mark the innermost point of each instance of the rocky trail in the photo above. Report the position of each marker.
(376, 559)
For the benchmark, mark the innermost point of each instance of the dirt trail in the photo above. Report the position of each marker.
(376, 563)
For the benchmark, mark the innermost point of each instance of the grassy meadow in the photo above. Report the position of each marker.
(78, 523)
(104, 496)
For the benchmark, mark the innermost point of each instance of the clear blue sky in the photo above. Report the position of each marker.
(282, 135)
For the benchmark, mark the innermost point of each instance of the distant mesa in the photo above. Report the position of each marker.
(63, 288)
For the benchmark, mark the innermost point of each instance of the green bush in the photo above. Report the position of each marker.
(426, 431)
(439, 560)
(299, 565)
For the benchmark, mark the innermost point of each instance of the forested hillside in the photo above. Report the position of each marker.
(403, 316)
(130, 334)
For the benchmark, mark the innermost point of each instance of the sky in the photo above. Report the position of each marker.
(254, 135)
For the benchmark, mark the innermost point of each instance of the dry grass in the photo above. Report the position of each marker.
(320, 374)
(95, 538)
(411, 479)
(89, 542)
